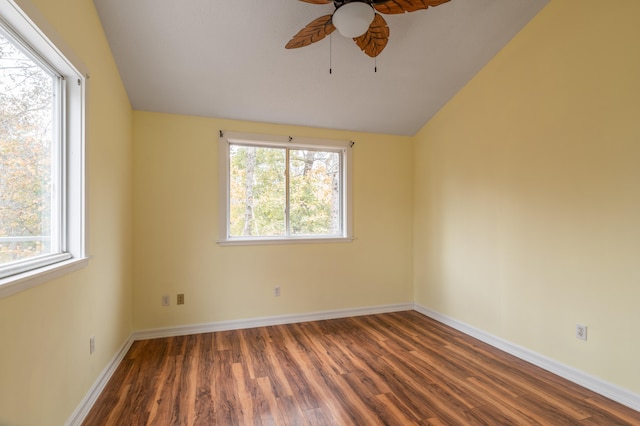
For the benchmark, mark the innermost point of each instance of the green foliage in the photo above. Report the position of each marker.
(258, 192)
(26, 117)
(312, 203)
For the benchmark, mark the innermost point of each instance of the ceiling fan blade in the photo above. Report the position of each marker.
(314, 31)
(318, 1)
(375, 39)
(401, 6)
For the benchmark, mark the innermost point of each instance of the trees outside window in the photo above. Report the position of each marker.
(28, 153)
(314, 192)
(291, 190)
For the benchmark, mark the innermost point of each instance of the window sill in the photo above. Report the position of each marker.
(26, 280)
(272, 241)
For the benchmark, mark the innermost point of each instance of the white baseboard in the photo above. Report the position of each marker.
(265, 321)
(96, 389)
(616, 393)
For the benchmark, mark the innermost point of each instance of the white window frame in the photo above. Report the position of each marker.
(226, 138)
(28, 26)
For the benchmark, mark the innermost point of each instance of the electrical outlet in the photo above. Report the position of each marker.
(165, 300)
(92, 344)
(581, 332)
(276, 292)
(180, 300)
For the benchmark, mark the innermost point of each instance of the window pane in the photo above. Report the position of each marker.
(256, 191)
(27, 148)
(314, 192)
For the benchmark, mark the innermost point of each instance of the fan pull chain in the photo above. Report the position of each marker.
(375, 64)
(330, 52)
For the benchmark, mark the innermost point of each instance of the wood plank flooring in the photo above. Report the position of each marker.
(389, 369)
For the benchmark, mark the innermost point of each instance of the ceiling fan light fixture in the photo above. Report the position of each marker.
(353, 19)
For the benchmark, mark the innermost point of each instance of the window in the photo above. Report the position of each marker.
(280, 189)
(41, 156)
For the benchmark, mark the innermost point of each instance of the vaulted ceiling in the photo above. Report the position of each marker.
(226, 59)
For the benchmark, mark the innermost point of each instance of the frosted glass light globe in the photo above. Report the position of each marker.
(353, 19)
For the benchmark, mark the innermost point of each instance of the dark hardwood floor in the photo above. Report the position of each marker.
(389, 369)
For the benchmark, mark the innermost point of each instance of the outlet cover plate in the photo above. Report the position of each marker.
(581, 332)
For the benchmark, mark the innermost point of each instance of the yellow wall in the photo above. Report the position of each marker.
(45, 366)
(176, 227)
(527, 198)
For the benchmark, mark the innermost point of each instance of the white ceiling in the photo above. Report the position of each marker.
(226, 59)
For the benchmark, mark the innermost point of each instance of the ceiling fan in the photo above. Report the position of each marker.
(359, 20)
